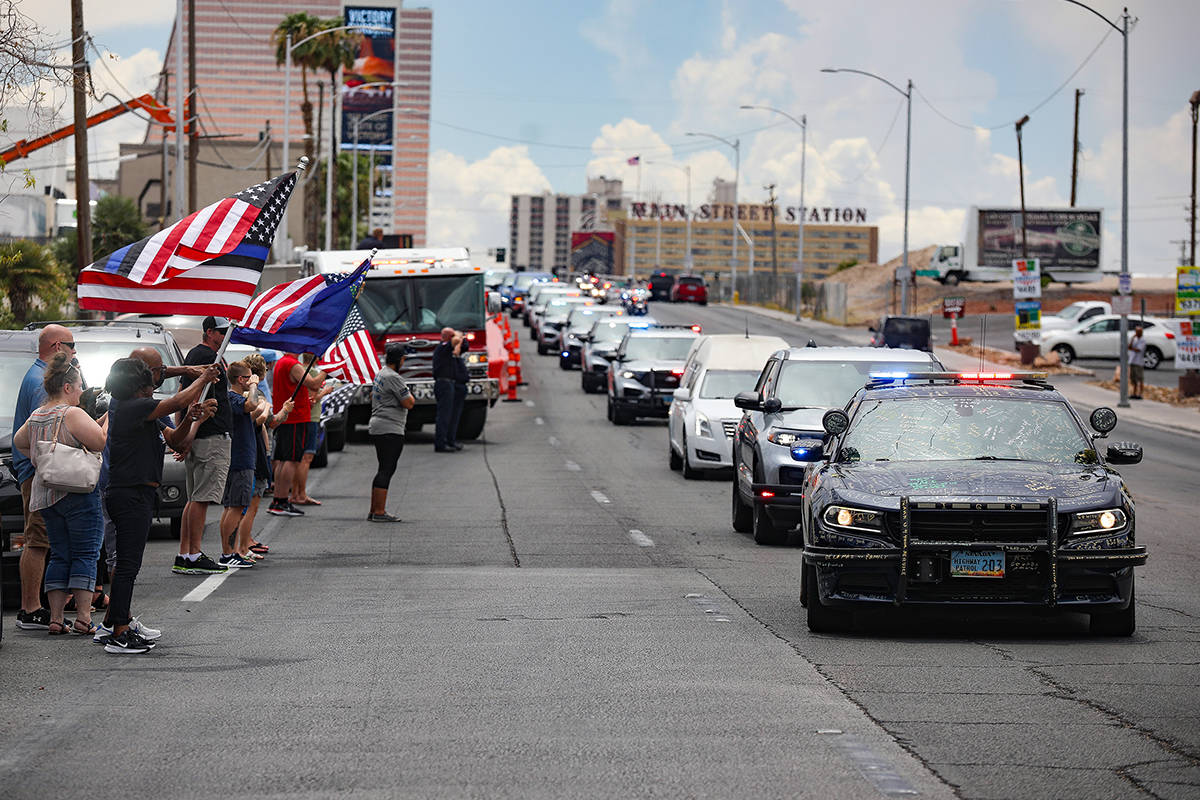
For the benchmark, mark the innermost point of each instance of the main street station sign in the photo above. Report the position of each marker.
(716, 212)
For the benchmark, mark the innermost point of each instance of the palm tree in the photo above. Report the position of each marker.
(301, 25)
(331, 53)
(30, 278)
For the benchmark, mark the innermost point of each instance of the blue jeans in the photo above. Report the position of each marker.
(75, 528)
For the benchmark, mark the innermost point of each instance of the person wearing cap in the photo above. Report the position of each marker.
(207, 461)
(390, 401)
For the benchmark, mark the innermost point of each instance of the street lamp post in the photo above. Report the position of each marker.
(803, 123)
(736, 144)
(1021, 172)
(687, 170)
(907, 160)
(1195, 103)
(354, 180)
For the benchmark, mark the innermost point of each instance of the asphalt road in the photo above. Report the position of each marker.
(562, 616)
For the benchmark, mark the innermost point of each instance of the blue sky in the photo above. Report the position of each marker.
(549, 93)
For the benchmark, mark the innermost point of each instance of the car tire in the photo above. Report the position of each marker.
(821, 618)
(1153, 357)
(321, 457)
(542, 349)
(950, 279)
(765, 532)
(1066, 353)
(689, 472)
(564, 364)
(742, 516)
(589, 386)
(673, 459)
(1122, 623)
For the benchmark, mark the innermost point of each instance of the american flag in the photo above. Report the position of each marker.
(352, 357)
(271, 309)
(633, 162)
(207, 263)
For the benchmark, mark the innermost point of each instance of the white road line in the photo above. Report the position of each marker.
(539, 421)
(553, 440)
(530, 403)
(207, 587)
(641, 539)
(573, 467)
(600, 497)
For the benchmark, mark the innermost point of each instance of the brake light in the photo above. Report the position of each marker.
(766, 495)
(471, 336)
(1169, 334)
(676, 372)
(696, 328)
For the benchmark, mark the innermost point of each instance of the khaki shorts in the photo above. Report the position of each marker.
(35, 526)
(1137, 373)
(207, 468)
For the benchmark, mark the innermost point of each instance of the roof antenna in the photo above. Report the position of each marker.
(811, 343)
(747, 317)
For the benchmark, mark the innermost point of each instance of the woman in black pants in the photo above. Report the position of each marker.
(390, 402)
(136, 433)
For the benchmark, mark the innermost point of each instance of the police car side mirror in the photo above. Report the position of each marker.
(683, 394)
(1124, 453)
(493, 302)
(772, 405)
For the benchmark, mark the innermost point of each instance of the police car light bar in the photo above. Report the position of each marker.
(879, 378)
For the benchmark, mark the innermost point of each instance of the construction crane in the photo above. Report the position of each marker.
(158, 112)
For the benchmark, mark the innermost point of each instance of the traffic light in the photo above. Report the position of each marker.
(500, 253)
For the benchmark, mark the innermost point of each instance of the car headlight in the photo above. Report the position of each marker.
(784, 437)
(703, 428)
(629, 374)
(858, 519)
(477, 358)
(1102, 521)
(171, 493)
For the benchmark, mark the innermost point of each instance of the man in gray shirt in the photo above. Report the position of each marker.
(390, 402)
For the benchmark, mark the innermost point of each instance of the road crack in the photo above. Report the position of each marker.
(512, 547)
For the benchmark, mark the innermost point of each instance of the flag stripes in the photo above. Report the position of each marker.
(353, 359)
(272, 307)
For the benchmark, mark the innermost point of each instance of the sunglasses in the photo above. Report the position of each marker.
(68, 344)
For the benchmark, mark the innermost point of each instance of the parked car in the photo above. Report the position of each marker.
(1074, 314)
(903, 333)
(702, 420)
(18, 350)
(783, 411)
(1100, 337)
(689, 289)
(972, 491)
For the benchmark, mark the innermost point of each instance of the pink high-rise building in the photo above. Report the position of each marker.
(242, 93)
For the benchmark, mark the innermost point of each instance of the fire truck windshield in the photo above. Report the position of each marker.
(422, 305)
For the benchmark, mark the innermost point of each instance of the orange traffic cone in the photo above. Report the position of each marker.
(512, 382)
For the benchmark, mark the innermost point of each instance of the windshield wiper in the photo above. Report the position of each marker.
(801, 408)
(995, 458)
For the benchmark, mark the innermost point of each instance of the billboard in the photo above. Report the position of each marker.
(1067, 238)
(1187, 290)
(1028, 321)
(367, 93)
(592, 251)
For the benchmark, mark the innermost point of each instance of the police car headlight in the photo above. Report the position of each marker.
(703, 428)
(628, 375)
(784, 437)
(858, 519)
(1102, 521)
(171, 493)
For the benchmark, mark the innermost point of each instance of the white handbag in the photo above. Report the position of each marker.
(66, 468)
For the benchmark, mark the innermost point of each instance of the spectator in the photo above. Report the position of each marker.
(33, 615)
(239, 486)
(73, 524)
(461, 379)
(139, 426)
(264, 419)
(207, 461)
(290, 379)
(375, 239)
(312, 438)
(444, 373)
(1137, 363)
(390, 402)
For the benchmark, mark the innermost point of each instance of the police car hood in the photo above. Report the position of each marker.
(882, 483)
(802, 419)
(658, 365)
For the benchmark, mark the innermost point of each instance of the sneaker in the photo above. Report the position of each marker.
(293, 511)
(126, 643)
(34, 620)
(146, 632)
(183, 566)
(234, 561)
(384, 517)
(282, 508)
(206, 566)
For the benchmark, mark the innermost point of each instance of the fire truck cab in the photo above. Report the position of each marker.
(409, 295)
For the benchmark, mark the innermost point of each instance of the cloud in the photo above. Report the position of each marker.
(469, 202)
(54, 16)
(616, 34)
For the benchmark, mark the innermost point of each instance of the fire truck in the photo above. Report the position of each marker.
(409, 296)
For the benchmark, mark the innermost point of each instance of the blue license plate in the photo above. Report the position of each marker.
(977, 563)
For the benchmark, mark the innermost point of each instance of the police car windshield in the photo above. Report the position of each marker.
(608, 333)
(726, 383)
(653, 348)
(829, 384)
(524, 280)
(957, 428)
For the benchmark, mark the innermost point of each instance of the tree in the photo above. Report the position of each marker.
(65, 251)
(32, 281)
(301, 26)
(116, 222)
(345, 233)
(332, 52)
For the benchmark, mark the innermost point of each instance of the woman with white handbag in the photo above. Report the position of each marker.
(64, 444)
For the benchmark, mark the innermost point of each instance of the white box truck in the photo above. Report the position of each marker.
(1065, 240)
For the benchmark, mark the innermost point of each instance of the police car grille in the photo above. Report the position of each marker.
(660, 380)
(969, 525)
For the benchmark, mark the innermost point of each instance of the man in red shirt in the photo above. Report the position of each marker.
(290, 437)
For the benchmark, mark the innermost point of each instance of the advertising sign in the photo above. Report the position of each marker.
(1187, 290)
(592, 251)
(1187, 346)
(952, 307)
(366, 84)
(1027, 279)
(1067, 238)
(1029, 320)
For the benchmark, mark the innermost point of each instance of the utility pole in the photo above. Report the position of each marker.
(1183, 251)
(1075, 148)
(166, 166)
(1021, 169)
(770, 187)
(193, 107)
(267, 138)
(1195, 103)
(83, 194)
(177, 183)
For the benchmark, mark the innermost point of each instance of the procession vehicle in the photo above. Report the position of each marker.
(539, 295)
(600, 347)
(972, 490)
(645, 371)
(554, 320)
(512, 292)
(409, 296)
(795, 387)
(579, 322)
(703, 419)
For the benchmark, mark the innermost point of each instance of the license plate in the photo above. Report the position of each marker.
(977, 563)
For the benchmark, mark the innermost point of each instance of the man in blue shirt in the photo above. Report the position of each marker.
(32, 616)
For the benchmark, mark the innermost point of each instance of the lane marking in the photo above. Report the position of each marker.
(207, 587)
(539, 421)
(600, 497)
(530, 403)
(573, 467)
(875, 768)
(553, 440)
(640, 539)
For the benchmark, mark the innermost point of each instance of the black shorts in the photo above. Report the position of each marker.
(290, 441)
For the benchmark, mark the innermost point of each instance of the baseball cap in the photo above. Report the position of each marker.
(215, 323)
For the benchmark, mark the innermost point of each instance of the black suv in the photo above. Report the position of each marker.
(903, 333)
(972, 490)
(645, 372)
(660, 284)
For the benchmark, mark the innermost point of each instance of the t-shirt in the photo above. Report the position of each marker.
(136, 443)
(31, 395)
(387, 415)
(219, 423)
(282, 388)
(241, 449)
(1137, 350)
